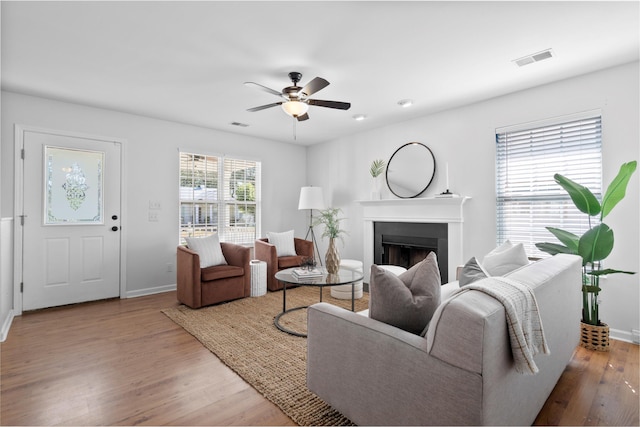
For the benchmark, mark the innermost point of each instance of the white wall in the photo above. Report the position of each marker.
(465, 138)
(151, 173)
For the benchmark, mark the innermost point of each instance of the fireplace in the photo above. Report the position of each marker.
(407, 243)
(442, 218)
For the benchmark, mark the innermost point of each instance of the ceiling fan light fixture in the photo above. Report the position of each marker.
(295, 108)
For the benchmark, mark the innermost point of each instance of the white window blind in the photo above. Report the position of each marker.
(528, 198)
(219, 194)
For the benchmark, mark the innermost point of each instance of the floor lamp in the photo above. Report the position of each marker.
(311, 198)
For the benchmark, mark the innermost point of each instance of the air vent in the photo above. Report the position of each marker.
(242, 125)
(536, 57)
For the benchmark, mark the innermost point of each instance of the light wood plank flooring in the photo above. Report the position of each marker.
(122, 362)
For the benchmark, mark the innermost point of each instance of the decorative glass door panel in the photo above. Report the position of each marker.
(73, 186)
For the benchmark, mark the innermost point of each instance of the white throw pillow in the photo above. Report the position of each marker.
(209, 250)
(504, 259)
(283, 242)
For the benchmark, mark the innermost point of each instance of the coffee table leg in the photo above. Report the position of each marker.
(353, 296)
(284, 296)
(320, 293)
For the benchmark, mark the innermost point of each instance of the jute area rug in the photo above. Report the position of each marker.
(242, 334)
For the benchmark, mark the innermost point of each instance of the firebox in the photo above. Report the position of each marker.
(407, 243)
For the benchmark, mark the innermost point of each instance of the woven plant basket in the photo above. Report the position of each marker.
(594, 337)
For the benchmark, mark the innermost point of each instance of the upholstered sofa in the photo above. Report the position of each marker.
(461, 373)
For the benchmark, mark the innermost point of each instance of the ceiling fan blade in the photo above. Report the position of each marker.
(263, 107)
(303, 117)
(264, 88)
(315, 85)
(330, 104)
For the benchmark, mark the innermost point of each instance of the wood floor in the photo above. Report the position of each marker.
(122, 362)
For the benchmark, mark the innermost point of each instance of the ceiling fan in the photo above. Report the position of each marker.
(296, 99)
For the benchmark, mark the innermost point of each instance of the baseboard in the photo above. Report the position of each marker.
(620, 335)
(150, 291)
(6, 325)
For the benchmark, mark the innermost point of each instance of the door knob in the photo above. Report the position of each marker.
(114, 217)
(114, 228)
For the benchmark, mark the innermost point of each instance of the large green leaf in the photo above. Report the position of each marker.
(596, 244)
(554, 248)
(618, 187)
(569, 239)
(609, 271)
(582, 197)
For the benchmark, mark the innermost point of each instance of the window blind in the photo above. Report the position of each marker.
(527, 197)
(219, 195)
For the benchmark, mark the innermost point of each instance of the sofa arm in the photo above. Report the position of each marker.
(376, 374)
(239, 256)
(188, 277)
(265, 251)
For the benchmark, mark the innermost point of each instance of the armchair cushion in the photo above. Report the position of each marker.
(209, 250)
(289, 261)
(220, 272)
(283, 242)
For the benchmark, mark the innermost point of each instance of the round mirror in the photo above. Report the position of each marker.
(410, 170)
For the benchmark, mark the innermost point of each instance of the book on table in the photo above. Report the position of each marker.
(302, 273)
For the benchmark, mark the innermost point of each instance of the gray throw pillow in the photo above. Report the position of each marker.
(471, 272)
(409, 300)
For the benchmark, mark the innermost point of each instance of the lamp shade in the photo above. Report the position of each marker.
(311, 198)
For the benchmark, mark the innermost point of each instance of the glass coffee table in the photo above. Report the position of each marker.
(342, 277)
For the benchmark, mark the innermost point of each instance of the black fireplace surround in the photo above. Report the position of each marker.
(407, 243)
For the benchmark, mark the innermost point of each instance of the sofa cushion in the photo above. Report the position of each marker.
(471, 272)
(504, 259)
(208, 249)
(285, 246)
(220, 272)
(409, 300)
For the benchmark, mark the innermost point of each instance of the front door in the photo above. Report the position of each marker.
(71, 208)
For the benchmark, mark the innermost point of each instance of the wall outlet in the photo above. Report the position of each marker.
(169, 267)
(635, 336)
(153, 216)
(155, 204)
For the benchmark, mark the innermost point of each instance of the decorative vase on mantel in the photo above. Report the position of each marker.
(332, 257)
(376, 188)
(594, 337)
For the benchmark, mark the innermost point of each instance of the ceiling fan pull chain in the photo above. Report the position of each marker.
(294, 129)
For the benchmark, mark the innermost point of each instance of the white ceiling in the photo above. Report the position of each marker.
(187, 61)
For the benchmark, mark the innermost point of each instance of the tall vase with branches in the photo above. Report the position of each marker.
(330, 218)
(597, 242)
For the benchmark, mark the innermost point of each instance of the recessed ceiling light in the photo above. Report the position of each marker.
(404, 103)
(359, 117)
(242, 125)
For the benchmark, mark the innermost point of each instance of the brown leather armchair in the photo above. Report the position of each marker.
(265, 251)
(198, 287)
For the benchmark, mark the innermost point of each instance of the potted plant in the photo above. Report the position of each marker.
(331, 221)
(593, 246)
(376, 169)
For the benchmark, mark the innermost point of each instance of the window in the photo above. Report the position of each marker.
(528, 198)
(219, 194)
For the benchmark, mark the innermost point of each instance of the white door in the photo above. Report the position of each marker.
(71, 232)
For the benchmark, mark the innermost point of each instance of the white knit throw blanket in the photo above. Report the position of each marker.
(523, 319)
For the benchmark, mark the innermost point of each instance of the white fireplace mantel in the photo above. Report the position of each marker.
(420, 210)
